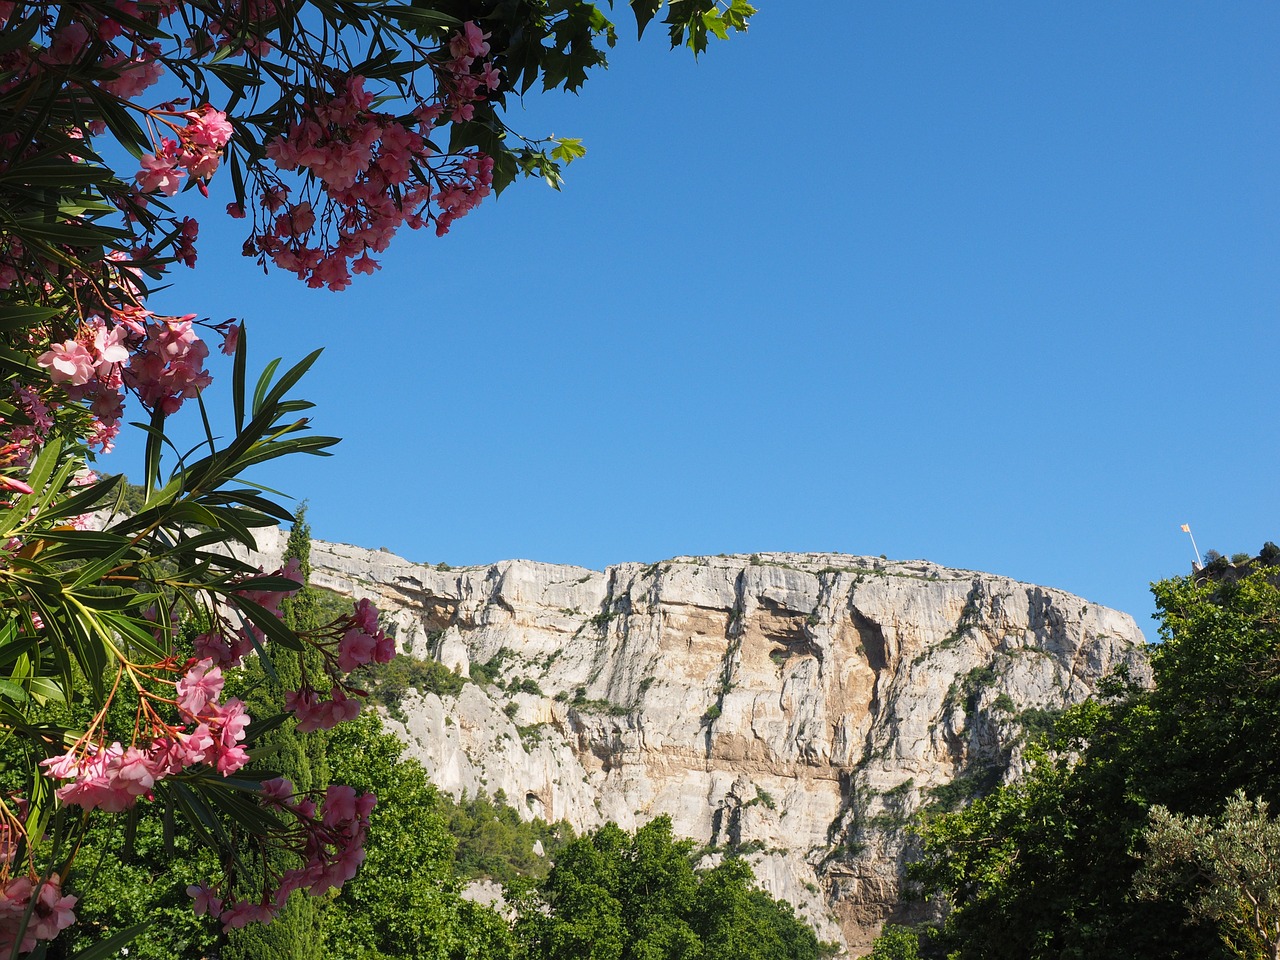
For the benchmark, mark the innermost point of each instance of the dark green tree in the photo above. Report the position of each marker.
(896, 943)
(495, 843)
(616, 896)
(1045, 867)
(1231, 864)
(296, 933)
(736, 921)
(405, 903)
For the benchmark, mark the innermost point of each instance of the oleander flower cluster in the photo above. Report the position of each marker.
(374, 171)
(327, 147)
(370, 172)
(195, 151)
(159, 359)
(329, 838)
(33, 909)
(40, 900)
(184, 726)
(338, 177)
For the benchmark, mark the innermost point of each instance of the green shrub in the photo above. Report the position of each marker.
(1038, 723)
(494, 842)
(388, 683)
(527, 685)
(966, 787)
(488, 672)
(896, 943)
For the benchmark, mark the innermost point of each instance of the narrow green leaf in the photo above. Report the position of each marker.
(238, 376)
(417, 17)
(111, 947)
(155, 446)
(264, 384)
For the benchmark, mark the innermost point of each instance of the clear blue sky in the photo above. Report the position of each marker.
(993, 284)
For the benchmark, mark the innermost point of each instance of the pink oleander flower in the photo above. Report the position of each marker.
(356, 649)
(185, 245)
(470, 42)
(136, 772)
(170, 366)
(277, 791)
(134, 75)
(339, 805)
(227, 723)
(214, 646)
(53, 911)
(108, 778)
(201, 686)
(68, 43)
(365, 264)
(159, 173)
(242, 914)
(208, 128)
(205, 901)
(109, 345)
(14, 485)
(316, 714)
(230, 339)
(69, 362)
(46, 917)
(366, 615)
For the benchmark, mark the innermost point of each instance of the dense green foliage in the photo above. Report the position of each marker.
(1233, 865)
(896, 943)
(138, 871)
(132, 874)
(618, 896)
(405, 902)
(388, 683)
(494, 843)
(1046, 867)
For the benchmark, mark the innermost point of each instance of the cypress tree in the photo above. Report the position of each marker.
(297, 932)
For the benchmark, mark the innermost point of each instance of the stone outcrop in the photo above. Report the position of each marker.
(797, 708)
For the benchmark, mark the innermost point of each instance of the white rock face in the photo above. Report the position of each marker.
(799, 707)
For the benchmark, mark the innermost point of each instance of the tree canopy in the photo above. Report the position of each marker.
(1128, 839)
(618, 896)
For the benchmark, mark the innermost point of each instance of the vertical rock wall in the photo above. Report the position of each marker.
(797, 708)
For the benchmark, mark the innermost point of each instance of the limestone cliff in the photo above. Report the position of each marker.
(795, 707)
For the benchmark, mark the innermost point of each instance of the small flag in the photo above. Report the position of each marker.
(1199, 564)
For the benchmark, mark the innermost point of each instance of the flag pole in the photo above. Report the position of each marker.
(1186, 528)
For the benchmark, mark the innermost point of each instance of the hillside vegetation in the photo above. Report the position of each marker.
(1146, 827)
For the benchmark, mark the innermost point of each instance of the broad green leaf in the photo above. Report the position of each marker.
(568, 149)
(645, 10)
